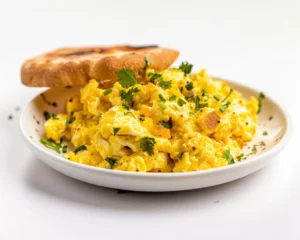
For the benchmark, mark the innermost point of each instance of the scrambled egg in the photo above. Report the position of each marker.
(170, 122)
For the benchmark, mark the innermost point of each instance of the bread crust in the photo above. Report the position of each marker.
(76, 66)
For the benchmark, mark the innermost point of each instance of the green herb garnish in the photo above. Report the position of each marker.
(224, 107)
(127, 78)
(54, 104)
(147, 144)
(153, 75)
(180, 155)
(65, 149)
(111, 161)
(162, 106)
(217, 98)
(203, 93)
(126, 106)
(147, 64)
(260, 98)
(188, 96)
(108, 91)
(167, 124)
(172, 98)
(199, 105)
(189, 86)
(165, 84)
(227, 155)
(265, 133)
(116, 130)
(186, 67)
(161, 97)
(227, 95)
(241, 157)
(181, 102)
(51, 145)
(80, 148)
(69, 121)
(48, 115)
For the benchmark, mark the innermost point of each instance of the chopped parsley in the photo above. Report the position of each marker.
(48, 115)
(172, 98)
(180, 155)
(108, 91)
(260, 98)
(189, 86)
(186, 67)
(128, 96)
(65, 149)
(147, 64)
(217, 98)
(199, 105)
(116, 130)
(127, 78)
(203, 93)
(188, 96)
(111, 161)
(265, 133)
(181, 102)
(51, 145)
(80, 148)
(126, 106)
(241, 157)
(167, 124)
(69, 121)
(231, 90)
(154, 75)
(165, 84)
(162, 106)
(224, 107)
(181, 89)
(161, 97)
(147, 144)
(227, 155)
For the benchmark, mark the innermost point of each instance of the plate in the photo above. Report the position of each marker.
(272, 119)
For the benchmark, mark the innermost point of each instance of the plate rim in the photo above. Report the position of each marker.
(276, 148)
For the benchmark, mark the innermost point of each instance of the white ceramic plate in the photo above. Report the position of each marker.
(279, 131)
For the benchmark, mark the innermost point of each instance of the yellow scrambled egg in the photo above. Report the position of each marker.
(170, 122)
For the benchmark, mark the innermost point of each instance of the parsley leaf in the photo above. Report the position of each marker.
(108, 91)
(48, 115)
(161, 97)
(224, 107)
(126, 106)
(69, 121)
(181, 102)
(189, 86)
(51, 145)
(147, 64)
(147, 144)
(227, 155)
(167, 124)
(180, 155)
(80, 148)
(260, 98)
(186, 67)
(203, 93)
(111, 161)
(154, 75)
(127, 78)
(65, 149)
(116, 130)
(199, 105)
(265, 133)
(165, 84)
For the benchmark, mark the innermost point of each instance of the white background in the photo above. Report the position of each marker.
(255, 42)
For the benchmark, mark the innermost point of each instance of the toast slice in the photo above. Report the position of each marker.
(76, 66)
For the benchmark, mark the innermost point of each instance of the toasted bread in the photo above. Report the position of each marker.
(76, 66)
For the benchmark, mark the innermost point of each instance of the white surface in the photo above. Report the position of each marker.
(279, 128)
(255, 42)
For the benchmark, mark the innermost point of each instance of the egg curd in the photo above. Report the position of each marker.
(171, 121)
